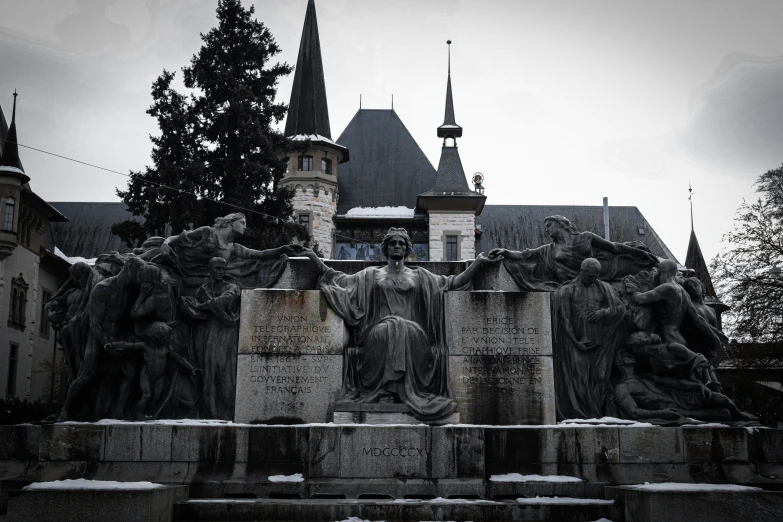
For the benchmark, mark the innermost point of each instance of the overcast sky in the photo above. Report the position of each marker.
(562, 102)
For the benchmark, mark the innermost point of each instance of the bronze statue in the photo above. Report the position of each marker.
(666, 400)
(156, 352)
(545, 268)
(587, 327)
(398, 316)
(215, 335)
(189, 253)
(671, 306)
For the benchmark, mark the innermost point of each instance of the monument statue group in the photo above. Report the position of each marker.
(613, 331)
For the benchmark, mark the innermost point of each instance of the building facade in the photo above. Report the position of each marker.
(30, 274)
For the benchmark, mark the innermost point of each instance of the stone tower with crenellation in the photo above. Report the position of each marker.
(313, 172)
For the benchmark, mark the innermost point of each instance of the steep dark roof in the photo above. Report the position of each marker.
(88, 233)
(3, 129)
(308, 112)
(10, 149)
(695, 261)
(451, 176)
(387, 167)
(517, 227)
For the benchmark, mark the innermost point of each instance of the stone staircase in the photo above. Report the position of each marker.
(364, 500)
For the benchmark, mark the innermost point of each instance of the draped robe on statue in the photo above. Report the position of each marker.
(399, 322)
(545, 268)
(582, 377)
(215, 338)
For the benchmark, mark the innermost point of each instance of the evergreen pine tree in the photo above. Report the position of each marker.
(218, 141)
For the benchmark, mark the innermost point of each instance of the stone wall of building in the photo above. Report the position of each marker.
(460, 224)
(320, 203)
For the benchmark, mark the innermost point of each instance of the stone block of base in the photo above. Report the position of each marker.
(694, 503)
(384, 413)
(96, 504)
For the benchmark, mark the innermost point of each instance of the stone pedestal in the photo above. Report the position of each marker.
(384, 413)
(500, 357)
(290, 359)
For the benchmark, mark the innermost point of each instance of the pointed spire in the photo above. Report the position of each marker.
(449, 129)
(308, 112)
(10, 157)
(695, 261)
(690, 199)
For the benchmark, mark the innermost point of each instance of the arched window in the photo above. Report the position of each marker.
(326, 166)
(8, 222)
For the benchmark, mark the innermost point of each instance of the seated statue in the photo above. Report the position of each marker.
(547, 267)
(399, 320)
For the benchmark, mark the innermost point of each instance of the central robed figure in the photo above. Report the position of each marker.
(398, 313)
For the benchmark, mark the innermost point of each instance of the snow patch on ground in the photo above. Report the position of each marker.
(607, 421)
(296, 477)
(401, 212)
(684, 486)
(84, 484)
(516, 477)
(73, 260)
(565, 500)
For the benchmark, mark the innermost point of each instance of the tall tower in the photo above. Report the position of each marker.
(451, 206)
(313, 172)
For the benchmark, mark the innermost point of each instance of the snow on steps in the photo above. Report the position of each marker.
(392, 510)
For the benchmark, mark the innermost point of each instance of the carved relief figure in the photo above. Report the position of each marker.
(398, 316)
(215, 337)
(587, 327)
(68, 314)
(156, 352)
(667, 400)
(548, 266)
(108, 315)
(671, 305)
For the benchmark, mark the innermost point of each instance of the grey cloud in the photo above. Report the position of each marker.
(736, 125)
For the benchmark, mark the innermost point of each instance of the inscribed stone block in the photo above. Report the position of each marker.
(289, 367)
(385, 451)
(500, 357)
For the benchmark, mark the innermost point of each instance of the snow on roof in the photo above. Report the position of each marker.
(312, 137)
(381, 212)
(84, 484)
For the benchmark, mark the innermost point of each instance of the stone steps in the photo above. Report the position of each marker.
(358, 489)
(323, 510)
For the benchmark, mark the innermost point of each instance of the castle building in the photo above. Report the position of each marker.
(350, 191)
(30, 274)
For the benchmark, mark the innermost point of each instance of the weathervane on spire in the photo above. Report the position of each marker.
(690, 198)
(448, 42)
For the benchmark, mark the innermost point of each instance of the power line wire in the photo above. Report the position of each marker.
(274, 218)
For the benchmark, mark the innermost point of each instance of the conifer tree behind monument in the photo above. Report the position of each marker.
(217, 141)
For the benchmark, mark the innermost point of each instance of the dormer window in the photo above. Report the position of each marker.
(8, 221)
(305, 163)
(326, 166)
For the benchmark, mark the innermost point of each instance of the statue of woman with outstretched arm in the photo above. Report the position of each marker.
(189, 254)
(398, 313)
(547, 267)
